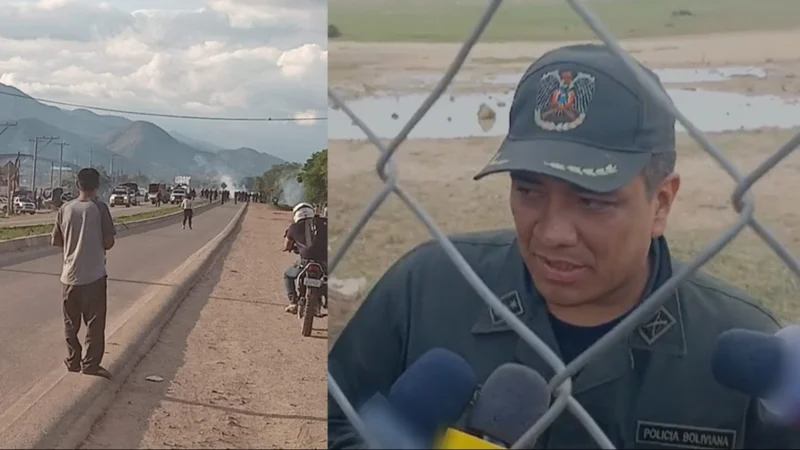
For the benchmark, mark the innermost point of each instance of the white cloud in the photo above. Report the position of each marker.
(307, 114)
(265, 58)
(251, 13)
(296, 63)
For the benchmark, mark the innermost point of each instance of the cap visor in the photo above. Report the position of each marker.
(591, 168)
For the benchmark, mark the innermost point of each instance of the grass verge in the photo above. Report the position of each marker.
(37, 230)
(552, 20)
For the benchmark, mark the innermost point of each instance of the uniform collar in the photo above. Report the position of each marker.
(663, 332)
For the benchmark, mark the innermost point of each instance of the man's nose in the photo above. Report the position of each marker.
(555, 228)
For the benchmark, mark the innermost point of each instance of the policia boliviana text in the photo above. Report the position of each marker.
(591, 159)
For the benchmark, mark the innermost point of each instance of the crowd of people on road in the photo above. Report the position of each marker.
(247, 197)
(212, 195)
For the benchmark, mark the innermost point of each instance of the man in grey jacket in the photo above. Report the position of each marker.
(85, 230)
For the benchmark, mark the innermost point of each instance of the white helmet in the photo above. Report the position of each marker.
(302, 211)
(301, 205)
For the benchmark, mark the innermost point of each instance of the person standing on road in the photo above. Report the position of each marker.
(591, 160)
(187, 204)
(85, 230)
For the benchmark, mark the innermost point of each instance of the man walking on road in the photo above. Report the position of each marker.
(85, 230)
(188, 211)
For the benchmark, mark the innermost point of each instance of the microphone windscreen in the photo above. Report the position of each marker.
(434, 391)
(511, 400)
(749, 362)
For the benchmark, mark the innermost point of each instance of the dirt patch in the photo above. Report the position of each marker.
(236, 371)
(357, 69)
(439, 174)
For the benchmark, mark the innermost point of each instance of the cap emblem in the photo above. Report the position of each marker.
(563, 100)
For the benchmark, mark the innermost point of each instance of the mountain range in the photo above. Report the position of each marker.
(106, 140)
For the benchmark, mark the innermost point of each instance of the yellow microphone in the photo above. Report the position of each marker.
(454, 439)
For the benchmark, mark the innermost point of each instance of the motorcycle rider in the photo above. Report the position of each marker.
(303, 219)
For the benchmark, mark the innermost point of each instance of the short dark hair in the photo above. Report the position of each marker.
(661, 165)
(88, 179)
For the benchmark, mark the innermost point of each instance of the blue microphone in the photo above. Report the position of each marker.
(762, 366)
(429, 396)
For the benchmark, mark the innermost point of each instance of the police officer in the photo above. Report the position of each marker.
(591, 160)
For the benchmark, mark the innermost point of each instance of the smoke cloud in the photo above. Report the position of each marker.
(292, 192)
(232, 185)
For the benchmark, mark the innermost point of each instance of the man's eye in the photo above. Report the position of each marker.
(595, 203)
(525, 190)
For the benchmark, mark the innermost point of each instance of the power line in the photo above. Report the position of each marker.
(170, 116)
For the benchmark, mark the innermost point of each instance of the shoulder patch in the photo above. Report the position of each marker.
(684, 436)
(656, 327)
(513, 302)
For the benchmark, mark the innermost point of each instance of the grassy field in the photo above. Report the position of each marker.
(8, 233)
(459, 204)
(552, 20)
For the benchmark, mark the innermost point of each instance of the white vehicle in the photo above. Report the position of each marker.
(119, 196)
(24, 206)
(177, 196)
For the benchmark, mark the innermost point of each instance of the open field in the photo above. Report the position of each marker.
(358, 69)
(439, 174)
(551, 20)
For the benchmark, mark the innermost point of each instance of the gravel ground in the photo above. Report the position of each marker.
(236, 371)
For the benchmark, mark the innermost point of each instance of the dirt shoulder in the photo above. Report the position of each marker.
(236, 372)
(357, 69)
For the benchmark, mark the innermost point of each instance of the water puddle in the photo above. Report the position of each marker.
(458, 116)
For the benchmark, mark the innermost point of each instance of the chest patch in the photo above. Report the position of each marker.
(683, 436)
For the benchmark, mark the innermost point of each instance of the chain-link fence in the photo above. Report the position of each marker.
(561, 383)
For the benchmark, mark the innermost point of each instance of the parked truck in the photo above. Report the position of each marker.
(157, 193)
(133, 191)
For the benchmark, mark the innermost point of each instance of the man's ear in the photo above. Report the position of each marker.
(663, 198)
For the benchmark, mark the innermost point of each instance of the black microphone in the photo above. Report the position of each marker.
(511, 400)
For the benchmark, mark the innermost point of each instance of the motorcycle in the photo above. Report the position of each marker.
(312, 294)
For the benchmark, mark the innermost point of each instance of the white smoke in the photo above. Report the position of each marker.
(232, 185)
(292, 192)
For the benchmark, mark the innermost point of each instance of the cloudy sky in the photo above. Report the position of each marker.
(231, 58)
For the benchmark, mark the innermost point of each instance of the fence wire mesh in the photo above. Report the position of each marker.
(561, 383)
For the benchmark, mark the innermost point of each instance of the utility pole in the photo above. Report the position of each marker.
(35, 141)
(91, 157)
(6, 126)
(13, 183)
(111, 172)
(51, 174)
(61, 160)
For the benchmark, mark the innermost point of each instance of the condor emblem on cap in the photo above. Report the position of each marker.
(563, 99)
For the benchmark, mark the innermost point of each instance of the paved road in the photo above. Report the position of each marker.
(47, 218)
(30, 296)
